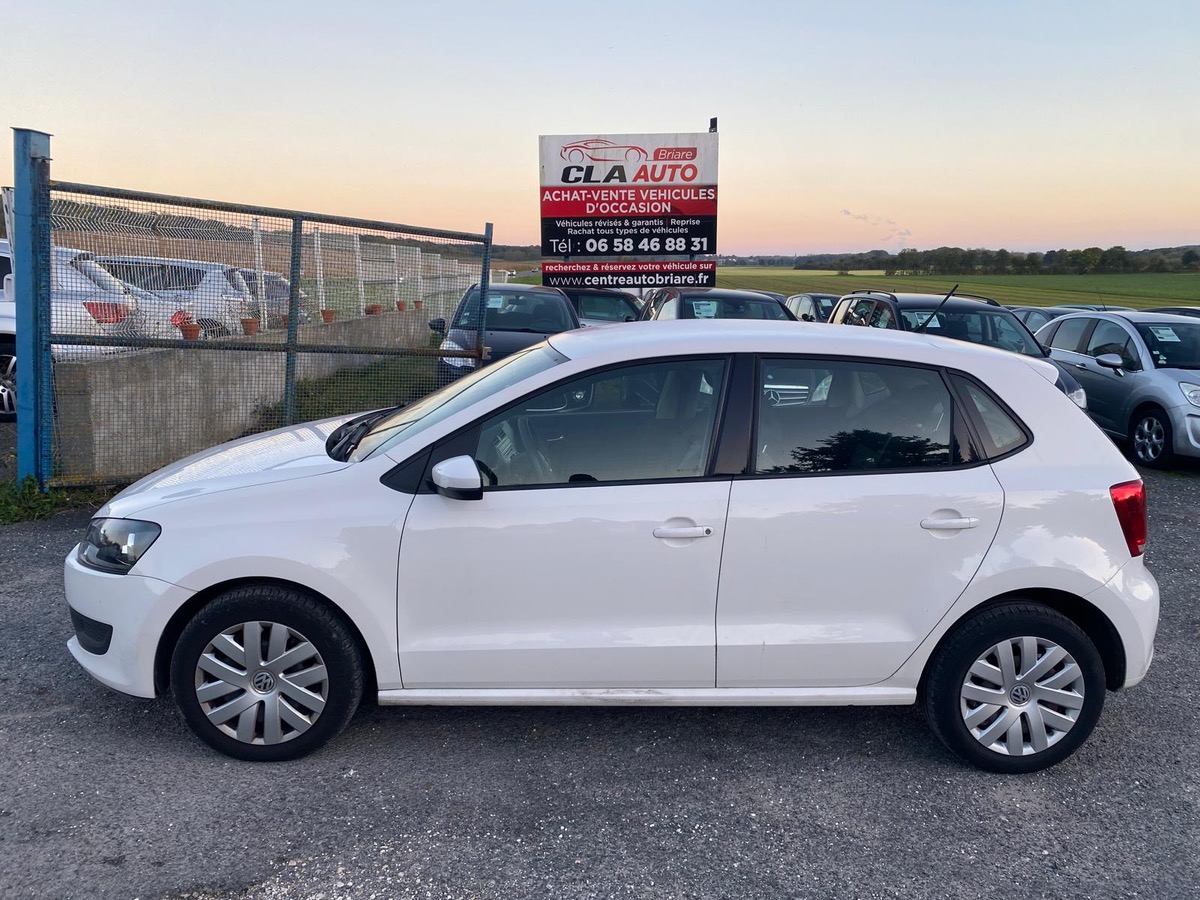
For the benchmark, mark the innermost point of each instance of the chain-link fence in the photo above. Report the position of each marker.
(174, 324)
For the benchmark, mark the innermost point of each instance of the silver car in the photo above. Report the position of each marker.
(1141, 371)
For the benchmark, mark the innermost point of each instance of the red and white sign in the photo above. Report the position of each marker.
(628, 194)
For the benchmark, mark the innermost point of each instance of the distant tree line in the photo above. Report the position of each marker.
(959, 261)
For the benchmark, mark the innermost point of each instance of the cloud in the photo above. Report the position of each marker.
(894, 231)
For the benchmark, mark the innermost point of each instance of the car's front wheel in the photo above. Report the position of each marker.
(1016, 688)
(267, 673)
(1150, 437)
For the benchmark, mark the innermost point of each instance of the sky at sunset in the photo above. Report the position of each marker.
(844, 126)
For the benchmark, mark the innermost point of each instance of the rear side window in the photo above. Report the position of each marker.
(5, 267)
(608, 307)
(999, 431)
(1069, 334)
(835, 417)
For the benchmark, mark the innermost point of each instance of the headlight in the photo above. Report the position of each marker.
(1191, 391)
(1078, 397)
(459, 362)
(115, 545)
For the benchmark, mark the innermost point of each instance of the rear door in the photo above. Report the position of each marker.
(862, 523)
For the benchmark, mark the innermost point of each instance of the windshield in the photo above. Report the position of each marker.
(98, 275)
(1172, 346)
(508, 310)
(457, 395)
(988, 326)
(729, 308)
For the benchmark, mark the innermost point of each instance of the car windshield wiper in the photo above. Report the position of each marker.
(342, 441)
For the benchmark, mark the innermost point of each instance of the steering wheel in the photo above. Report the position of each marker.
(541, 465)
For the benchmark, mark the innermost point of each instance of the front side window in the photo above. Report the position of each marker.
(1109, 337)
(859, 312)
(831, 417)
(653, 421)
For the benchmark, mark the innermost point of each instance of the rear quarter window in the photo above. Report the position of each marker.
(1000, 432)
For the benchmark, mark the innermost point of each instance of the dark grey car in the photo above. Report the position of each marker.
(1141, 371)
(517, 316)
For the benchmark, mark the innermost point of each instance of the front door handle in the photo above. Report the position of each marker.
(949, 524)
(1081, 366)
(690, 531)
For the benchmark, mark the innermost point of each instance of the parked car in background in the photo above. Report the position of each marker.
(981, 571)
(517, 316)
(713, 303)
(1095, 306)
(278, 290)
(1035, 317)
(812, 307)
(977, 320)
(602, 306)
(1193, 311)
(214, 295)
(85, 299)
(1141, 371)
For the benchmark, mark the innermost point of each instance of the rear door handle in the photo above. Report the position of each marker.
(690, 531)
(949, 524)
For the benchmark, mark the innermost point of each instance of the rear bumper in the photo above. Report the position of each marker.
(1130, 600)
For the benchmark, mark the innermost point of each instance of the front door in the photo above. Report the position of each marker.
(592, 559)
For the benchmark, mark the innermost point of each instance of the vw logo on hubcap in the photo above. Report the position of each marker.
(263, 682)
(1020, 694)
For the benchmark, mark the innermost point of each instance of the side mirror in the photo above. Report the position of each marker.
(1110, 361)
(9, 292)
(438, 325)
(458, 478)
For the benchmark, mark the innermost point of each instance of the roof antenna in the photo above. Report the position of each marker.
(920, 329)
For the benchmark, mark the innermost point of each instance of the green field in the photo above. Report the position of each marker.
(1179, 289)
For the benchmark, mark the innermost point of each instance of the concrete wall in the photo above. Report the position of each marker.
(124, 414)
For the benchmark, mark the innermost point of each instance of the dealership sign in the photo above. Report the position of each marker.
(629, 194)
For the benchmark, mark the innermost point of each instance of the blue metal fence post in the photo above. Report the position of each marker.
(293, 323)
(30, 244)
(484, 283)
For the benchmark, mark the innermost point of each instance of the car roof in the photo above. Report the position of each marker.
(959, 302)
(816, 296)
(677, 337)
(1134, 316)
(728, 294)
(199, 263)
(595, 290)
(519, 288)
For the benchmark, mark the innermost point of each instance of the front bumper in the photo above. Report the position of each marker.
(1185, 422)
(137, 609)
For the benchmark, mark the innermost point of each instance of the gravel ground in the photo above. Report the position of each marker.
(108, 797)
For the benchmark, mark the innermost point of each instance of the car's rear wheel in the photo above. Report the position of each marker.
(8, 381)
(1016, 688)
(267, 673)
(1150, 437)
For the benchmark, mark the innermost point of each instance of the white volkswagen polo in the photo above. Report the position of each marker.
(706, 513)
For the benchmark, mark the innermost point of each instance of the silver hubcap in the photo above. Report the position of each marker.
(8, 384)
(1149, 439)
(261, 683)
(1022, 695)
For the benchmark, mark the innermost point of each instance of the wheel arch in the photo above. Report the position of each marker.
(178, 621)
(1093, 622)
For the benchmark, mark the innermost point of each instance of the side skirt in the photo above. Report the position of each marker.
(858, 696)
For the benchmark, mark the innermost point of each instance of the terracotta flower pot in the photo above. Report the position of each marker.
(328, 315)
(374, 309)
(401, 305)
(249, 326)
(189, 330)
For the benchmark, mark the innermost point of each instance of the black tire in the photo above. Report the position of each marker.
(945, 681)
(303, 620)
(8, 381)
(1151, 439)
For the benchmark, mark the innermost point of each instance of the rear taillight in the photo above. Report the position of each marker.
(1129, 500)
(106, 312)
(182, 317)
